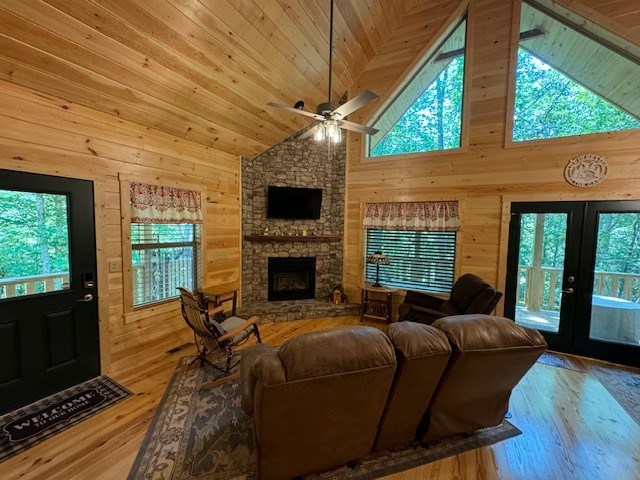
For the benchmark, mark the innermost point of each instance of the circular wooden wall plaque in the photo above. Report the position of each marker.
(586, 170)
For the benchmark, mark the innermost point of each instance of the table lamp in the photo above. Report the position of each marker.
(377, 258)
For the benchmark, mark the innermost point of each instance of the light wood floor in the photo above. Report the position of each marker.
(572, 428)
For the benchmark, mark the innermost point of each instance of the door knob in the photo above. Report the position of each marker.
(87, 298)
(568, 290)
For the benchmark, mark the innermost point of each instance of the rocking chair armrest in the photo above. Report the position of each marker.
(232, 333)
(216, 310)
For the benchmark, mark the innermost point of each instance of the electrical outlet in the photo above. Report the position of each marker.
(115, 266)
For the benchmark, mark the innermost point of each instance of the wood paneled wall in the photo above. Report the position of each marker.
(491, 171)
(44, 134)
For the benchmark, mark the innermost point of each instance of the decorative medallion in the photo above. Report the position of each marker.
(586, 170)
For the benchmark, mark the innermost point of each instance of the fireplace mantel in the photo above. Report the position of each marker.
(292, 238)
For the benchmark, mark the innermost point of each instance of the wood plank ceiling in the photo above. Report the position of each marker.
(197, 69)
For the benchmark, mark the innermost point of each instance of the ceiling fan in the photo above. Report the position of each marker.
(331, 114)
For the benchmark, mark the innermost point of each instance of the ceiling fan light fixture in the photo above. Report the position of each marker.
(336, 136)
(330, 128)
(318, 136)
(330, 115)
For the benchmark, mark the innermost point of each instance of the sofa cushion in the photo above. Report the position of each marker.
(335, 351)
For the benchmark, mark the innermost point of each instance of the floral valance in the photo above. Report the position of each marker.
(433, 216)
(157, 204)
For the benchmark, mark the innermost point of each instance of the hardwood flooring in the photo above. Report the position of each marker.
(572, 427)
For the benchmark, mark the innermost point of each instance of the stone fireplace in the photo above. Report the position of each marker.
(292, 163)
(291, 278)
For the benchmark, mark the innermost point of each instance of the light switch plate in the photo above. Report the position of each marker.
(115, 266)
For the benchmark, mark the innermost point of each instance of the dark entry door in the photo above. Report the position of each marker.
(573, 273)
(48, 301)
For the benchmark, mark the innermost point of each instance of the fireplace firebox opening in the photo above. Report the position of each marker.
(291, 278)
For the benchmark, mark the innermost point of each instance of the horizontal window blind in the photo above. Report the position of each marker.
(417, 259)
(164, 257)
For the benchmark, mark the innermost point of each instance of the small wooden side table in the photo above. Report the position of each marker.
(218, 297)
(376, 308)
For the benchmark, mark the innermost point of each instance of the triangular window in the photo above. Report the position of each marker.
(426, 114)
(570, 80)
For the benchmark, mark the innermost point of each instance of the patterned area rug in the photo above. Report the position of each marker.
(203, 434)
(558, 360)
(30, 425)
(623, 384)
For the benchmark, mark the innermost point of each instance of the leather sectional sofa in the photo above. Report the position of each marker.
(330, 397)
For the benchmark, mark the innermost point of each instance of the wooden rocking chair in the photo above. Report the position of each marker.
(212, 331)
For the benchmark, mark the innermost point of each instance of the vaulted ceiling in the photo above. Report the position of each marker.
(198, 69)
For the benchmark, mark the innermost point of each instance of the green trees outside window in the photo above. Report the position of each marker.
(426, 113)
(573, 77)
(549, 104)
(434, 121)
(34, 242)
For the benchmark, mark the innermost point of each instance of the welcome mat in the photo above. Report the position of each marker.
(30, 425)
(202, 433)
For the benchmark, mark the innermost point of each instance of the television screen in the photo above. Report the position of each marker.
(293, 202)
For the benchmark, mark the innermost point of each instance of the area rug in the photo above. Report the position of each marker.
(203, 434)
(30, 425)
(623, 384)
(558, 360)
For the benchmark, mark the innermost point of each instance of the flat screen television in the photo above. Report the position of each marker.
(294, 202)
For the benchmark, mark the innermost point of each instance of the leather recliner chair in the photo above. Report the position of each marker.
(490, 355)
(470, 294)
(317, 402)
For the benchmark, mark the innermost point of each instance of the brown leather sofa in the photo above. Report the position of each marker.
(329, 397)
(470, 294)
(317, 402)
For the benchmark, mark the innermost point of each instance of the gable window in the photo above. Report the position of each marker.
(426, 115)
(165, 242)
(569, 80)
(418, 238)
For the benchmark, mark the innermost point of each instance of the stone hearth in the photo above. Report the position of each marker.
(289, 310)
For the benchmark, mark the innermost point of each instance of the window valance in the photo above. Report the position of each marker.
(158, 204)
(432, 216)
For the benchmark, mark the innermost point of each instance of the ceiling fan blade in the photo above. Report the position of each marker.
(355, 103)
(295, 110)
(355, 127)
(308, 133)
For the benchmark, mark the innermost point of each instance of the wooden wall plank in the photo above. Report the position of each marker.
(39, 135)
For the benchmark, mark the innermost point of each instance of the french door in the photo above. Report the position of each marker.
(48, 305)
(573, 273)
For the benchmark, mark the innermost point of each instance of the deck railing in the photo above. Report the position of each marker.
(18, 286)
(611, 284)
(154, 281)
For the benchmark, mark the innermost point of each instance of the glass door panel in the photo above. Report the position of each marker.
(541, 258)
(615, 299)
(34, 243)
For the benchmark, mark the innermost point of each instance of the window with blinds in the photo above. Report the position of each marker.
(417, 259)
(164, 257)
